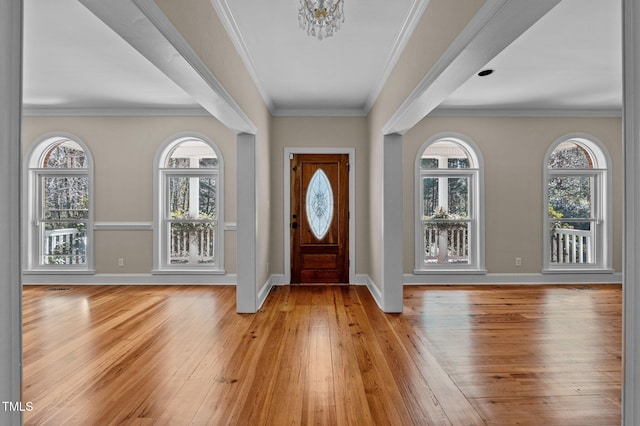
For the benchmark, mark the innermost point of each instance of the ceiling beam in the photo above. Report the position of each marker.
(497, 24)
(146, 28)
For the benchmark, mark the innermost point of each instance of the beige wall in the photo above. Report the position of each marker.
(201, 27)
(123, 150)
(513, 150)
(442, 21)
(319, 132)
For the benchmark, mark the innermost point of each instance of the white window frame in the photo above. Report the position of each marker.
(33, 172)
(475, 173)
(601, 206)
(161, 220)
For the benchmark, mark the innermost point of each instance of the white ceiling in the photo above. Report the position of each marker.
(570, 59)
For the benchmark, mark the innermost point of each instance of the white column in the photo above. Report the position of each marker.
(631, 272)
(247, 220)
(392, 212)
(10, 159)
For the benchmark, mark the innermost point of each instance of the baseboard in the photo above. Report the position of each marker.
(512, 279)
(130, 279)
(375, 292)
(264, 292)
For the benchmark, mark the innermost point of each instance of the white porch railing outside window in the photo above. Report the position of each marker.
(448, 244)
(65, 247)
(193, 247)
(571, 246)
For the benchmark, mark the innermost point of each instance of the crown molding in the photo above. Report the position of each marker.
(319, 112)
(51, 111)
(525, 112)
(404, 35)
(494, 27)
(233, 31)
(143, 25)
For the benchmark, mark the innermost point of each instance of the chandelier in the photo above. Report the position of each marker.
(320, 18)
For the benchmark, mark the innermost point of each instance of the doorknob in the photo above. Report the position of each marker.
(294, 225)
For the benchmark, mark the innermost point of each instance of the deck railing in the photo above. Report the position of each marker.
(448, 244)
(194, 246)
(571, 246)
(65, 246)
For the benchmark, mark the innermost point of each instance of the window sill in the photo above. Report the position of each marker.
(449, 271)
(59, 272)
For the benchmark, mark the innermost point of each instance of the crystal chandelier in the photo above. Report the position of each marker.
(320, 18)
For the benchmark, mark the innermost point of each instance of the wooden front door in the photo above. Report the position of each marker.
(319, 218)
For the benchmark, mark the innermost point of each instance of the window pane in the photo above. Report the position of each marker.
(451, 153)
(192, 197)
(458, 196)
(64, 243)
(570, 155)
(572, 242)
(319, 204)
(191, 243)
(446, 242)
(65, 197)
(429, 163)
(570, 197)
(65, 155)
(192, 154)
(429, 196)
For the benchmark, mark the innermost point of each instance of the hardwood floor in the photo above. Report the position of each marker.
(141, 355)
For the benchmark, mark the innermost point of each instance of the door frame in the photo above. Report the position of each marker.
(288, 151)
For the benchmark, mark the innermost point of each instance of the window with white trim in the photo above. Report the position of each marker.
(448, 207)
(189, 207)
(59, 204)
(577, 208)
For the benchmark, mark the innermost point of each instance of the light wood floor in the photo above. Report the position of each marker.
(538, 355)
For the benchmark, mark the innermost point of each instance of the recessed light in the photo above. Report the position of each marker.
(485, 73)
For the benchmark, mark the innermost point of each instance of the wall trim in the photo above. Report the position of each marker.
(512, 279)
(264, 292)
(130, 279)
(123, 226)
(38, 111)
(500, 112)
(375, 292)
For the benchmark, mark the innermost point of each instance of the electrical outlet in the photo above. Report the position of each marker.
(518, 261)
(121, 262)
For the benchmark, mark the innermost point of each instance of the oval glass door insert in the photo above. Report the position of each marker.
(319, 204)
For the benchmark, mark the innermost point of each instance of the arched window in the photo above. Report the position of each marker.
(189, 208)
(577, 206)
(59, 204)
(449, 209)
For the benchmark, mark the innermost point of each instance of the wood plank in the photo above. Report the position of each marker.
(168, 355)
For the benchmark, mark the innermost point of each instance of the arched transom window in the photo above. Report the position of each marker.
(576, 205)
(189, 207)
(448, 206)
(59, 203)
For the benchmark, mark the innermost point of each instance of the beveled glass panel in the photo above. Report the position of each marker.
(319, 204)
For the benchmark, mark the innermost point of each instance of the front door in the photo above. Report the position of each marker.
(319, 218)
